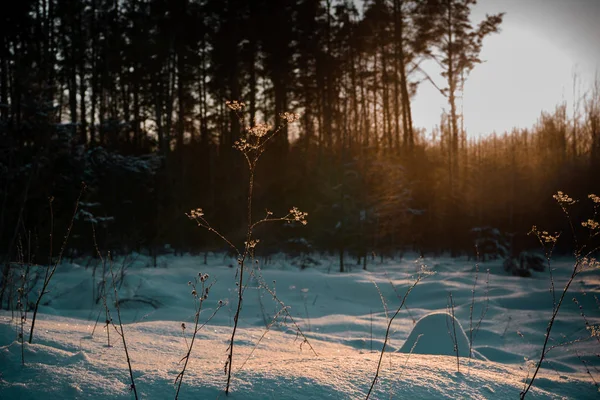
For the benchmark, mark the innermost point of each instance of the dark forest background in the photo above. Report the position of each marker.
(129, 96)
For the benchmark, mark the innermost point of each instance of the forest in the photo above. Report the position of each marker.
(182, 180)
(122, 104)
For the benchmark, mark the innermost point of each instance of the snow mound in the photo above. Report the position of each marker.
(432, 335)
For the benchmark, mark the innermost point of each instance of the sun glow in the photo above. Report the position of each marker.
(522, 75)
(528, 67)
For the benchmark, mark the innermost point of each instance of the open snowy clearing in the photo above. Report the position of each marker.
(341, 315)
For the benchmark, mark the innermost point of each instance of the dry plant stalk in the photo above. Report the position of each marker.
(22, 292)
(452, 332)
(51, 268)
(423, 273)
(252, 145)
(103, 294)
(199, 299)
(120, 331)
(583, 261)
(473, 330)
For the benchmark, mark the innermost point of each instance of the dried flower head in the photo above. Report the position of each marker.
(591, 224)
(235, 105)
(548, 238)
(544, 236)
(259, 129)
(590, 263)
(245, 146)
(563, 199)
(298, 216)
(594, 198)
(289, 117)
(425, 271)
(195, 214)
(252, 244)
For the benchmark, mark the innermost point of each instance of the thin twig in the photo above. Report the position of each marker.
(122, 332)
(268, 328)
(51, 270)
(414, 321)
(387, 332)
(453, 333)
(199, 299)
(563, 201)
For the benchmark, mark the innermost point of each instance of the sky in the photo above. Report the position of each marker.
(528, 66)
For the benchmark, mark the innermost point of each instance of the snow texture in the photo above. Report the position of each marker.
(341, 314)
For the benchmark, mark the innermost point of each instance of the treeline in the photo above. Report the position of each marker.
(129, 97)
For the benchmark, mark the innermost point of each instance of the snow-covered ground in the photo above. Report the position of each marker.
(341, 315)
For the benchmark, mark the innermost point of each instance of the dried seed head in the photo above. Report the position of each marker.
(563, 199)
(235, 105)
(289, 117)
(590, 224)
(195, 213)
(298, 216)
(259, 129)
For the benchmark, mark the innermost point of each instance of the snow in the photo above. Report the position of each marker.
(342, 316)
(425, 337)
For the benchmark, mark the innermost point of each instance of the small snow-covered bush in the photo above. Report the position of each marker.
(513, 266)
(490, 243)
